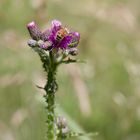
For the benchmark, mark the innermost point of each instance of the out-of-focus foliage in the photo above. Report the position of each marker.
(110, 44)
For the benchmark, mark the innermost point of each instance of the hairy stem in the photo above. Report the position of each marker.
(50, 88)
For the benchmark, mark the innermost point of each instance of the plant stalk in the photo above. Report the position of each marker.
(50, 88)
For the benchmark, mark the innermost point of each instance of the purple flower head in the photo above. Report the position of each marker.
(56, 26)
(57, 37)
(61, 37)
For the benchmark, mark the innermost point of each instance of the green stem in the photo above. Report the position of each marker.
(50, 88)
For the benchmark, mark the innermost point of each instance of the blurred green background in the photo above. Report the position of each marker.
(101, 96)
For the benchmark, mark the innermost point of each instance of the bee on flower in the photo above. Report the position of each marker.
(61, 34)
(55, 38)
(54, 45)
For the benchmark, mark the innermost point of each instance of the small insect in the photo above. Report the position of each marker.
(73, 44)
(74, 41)
(61, 34)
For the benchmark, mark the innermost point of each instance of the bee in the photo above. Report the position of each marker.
(61, 34)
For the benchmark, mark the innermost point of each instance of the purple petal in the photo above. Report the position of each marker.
(56, 25)
(34, 30)
(65, 42)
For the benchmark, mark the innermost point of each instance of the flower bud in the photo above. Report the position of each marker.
(32, 43)
(45, 35)
(61, 122)
(73, 51)
(34, 30)
(44, 45)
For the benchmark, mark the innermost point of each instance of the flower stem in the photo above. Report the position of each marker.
(50, 88)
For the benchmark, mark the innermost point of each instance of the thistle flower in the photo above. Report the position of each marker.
(55, 38)
(53, 45)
